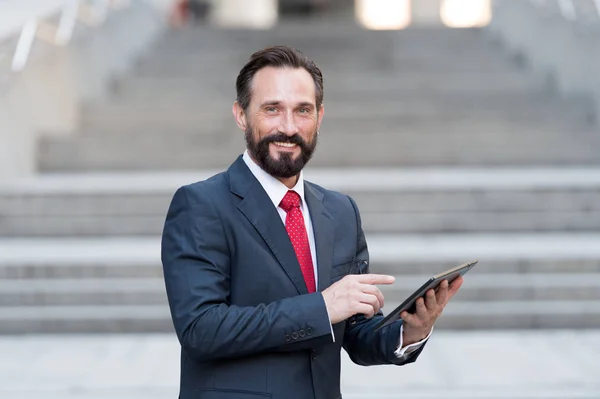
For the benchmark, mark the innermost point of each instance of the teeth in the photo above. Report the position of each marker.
(290, 145)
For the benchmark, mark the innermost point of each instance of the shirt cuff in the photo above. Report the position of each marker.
(331, 325)
(403, 352)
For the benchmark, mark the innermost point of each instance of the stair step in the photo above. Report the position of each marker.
(151, 291)
(419, 212)
(328, 52)
(406, 222)
(482, 102)
(495, 247)
(353, 179)
(396, 146)
(383, 56)
(156, 318)
(82, 292)
(221, 127)
(520, 315)
(391, 201)
(426, 200)
(121, 257)
(138, 87)
(203, 65)
(426, 132)
(85, 319)
(437, 107)
(138, 118)
(333, 29)
(325, 37)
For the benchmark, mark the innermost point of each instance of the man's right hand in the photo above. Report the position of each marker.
(354, 294)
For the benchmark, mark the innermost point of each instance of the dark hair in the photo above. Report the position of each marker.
(278, 57)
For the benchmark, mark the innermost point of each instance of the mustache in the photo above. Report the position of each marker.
(283, 138)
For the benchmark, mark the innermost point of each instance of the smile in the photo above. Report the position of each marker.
(287, 145)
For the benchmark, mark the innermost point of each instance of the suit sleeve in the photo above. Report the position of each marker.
(196, 263)
(364, 345)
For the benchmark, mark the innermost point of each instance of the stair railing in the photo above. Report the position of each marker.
(571, 10)
(31, 20)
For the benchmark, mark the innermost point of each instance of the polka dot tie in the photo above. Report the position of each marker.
(294, 224)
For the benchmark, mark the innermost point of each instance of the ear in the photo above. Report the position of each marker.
(240, 116)
(320, 116)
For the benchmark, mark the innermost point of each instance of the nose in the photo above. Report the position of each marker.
(288, 125)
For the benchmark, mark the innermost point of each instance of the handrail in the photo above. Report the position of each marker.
(28, 17)
(597, 4)
(567, 9)
(15, 13)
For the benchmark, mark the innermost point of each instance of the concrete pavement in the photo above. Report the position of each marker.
(542, 364)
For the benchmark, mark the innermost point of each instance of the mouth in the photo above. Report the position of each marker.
(285, 145)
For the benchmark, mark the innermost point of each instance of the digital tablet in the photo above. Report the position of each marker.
(410, 303)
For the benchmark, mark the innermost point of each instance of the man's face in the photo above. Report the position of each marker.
(282, 120)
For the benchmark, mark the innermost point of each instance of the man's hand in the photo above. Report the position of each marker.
(355, 294)
(418, 325)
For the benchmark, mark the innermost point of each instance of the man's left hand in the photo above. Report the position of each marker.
(418, 325)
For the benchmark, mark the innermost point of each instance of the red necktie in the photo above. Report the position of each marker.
(294, 224)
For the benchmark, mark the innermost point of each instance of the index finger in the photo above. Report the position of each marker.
(376, 279)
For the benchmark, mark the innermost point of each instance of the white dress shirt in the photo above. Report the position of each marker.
(276, 190)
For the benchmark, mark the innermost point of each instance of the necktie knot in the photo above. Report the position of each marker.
(290, 200)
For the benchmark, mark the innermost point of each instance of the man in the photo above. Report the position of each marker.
(267, 275)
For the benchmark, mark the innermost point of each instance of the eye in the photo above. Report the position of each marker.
(304, 110)
(271, 109)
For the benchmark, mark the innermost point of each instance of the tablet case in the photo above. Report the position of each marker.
(410, 303)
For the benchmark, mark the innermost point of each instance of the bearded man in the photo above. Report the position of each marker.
(267, 274)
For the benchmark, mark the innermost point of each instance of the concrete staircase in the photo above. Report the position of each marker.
(452, 151)
(392, 201)
(421, 97)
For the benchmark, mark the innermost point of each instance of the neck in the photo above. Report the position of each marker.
(290, 182)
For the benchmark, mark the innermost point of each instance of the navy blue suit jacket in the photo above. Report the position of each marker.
(247, 325)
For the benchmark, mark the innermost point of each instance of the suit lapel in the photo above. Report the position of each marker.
(323, 229)
(259, 210)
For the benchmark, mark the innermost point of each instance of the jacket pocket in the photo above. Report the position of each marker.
(353, 266)
(339, 270)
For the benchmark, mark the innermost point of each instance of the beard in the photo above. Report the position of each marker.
(284, 167)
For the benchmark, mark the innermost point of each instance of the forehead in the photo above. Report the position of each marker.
(283, 84)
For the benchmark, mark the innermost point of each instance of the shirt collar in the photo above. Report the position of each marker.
(275, 189)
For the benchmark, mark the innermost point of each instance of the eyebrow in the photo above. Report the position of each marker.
(270, 103)
(276, 102)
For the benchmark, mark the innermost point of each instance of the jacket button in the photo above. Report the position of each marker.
(287, 338)
(302, 333)
(309, 331)
(294, 335)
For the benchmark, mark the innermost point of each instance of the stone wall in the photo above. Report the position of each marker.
(564, 51)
